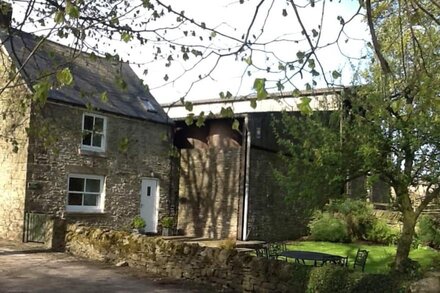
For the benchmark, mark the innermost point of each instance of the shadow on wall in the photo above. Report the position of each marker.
(210, 183)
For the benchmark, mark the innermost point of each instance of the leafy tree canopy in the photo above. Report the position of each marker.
(386, 129)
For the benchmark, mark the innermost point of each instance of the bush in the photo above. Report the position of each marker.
(429, 231)
(167, 222)
(138, 223)
(382, 233)
(338, 279)
(325, 227)
(357, 214)
(378, 283)
(347, 220)
(329, 279)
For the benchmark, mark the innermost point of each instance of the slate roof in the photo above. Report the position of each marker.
(92, 76)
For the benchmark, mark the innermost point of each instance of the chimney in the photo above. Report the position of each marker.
(5, 14)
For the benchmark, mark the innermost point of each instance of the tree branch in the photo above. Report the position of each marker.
(383, 62)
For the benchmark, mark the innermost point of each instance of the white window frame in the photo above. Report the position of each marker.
(104, 133)
(86, 209)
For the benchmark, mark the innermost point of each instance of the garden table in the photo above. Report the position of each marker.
(316, 257)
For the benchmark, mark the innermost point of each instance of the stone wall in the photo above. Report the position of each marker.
(209, 191)
(225, 269)
(14, 108)
(54, 154)
(271, 217)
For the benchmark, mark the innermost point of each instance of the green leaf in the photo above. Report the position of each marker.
(226, 96)
(311, 63)
(253, 103)
(236, 125)
(41, 91)
(188, 106)
(64, 77)
(104, 97)
(189, 120)
(315, 33)
(72, 10)
(126, 37)
(260, 88)
(227, 112)
(300, 55)
(280, 86)
(145, 3)
(284, 12)
(248, 60)
(200, 119)
(314, 72)
(336, 74)
(304, 106)
(59, 17)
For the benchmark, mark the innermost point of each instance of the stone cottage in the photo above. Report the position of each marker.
(93, 151)
(226, 184)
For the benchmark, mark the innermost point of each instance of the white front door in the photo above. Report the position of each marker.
(150, 203)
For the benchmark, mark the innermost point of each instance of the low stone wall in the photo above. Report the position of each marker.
(223, 268)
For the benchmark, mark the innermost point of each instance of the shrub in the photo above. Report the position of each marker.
(382, 233)
(429, 231)
(378, 283)
(138, 222)
(325, 227)
(167, 222)
(357, 214)
(329, 279)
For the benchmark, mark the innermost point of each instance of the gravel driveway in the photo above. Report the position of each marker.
(28, 268)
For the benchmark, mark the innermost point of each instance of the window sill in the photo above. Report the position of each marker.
(85, 213)
(100, 154)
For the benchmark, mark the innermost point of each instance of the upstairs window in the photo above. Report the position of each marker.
(85, 193)
(94, 132)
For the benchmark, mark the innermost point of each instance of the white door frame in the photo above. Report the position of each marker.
(150, 227)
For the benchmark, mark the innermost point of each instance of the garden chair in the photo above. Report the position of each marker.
(343, 261)
(275, 248)
(361, 259)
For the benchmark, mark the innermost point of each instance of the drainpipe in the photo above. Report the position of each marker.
(246, 178)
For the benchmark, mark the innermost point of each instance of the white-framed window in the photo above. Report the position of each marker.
(93, 132)
(85, 193)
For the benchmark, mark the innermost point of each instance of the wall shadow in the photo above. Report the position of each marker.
(210, 174)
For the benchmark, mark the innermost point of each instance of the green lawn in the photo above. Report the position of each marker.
(378, 258)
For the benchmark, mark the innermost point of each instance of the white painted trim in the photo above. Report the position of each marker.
(246, 183)
(318, 102)
(86, 209)
(102, 148)
(157, 200)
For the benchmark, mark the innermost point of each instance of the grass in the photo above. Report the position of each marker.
(378, 258)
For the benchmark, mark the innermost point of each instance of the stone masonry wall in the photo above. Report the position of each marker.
(14, 110)
(270, 217)
(209, 191)
(145, 155)
(225, 269)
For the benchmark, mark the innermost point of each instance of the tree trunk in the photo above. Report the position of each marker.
(404, 244)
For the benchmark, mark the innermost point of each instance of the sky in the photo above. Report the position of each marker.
(233, 18)
(231, 73)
